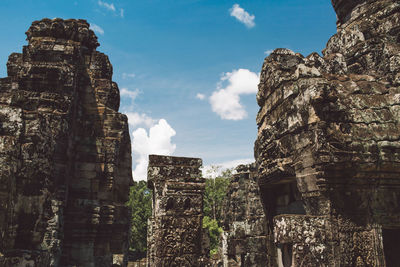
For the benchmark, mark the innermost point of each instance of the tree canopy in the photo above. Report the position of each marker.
(139, 202)
(214, 196)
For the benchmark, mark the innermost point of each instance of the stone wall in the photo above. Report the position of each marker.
(244, 240)
(175, 228)
(327, 149)
(65, 159)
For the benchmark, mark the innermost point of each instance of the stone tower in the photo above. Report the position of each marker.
(65, 159)
(244, 240)
(327, 149)
(175, 228)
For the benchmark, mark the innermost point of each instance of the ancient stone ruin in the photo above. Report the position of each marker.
(175, 228)
(327, 150)
(244, 238)
(65, 159)
(327, 157)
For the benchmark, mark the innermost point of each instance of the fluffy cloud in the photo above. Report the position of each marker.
(200, 96)
(131, 94)
(215, 170)
(149, 136)
(226, 101)
(96, 28)
(241, 15)
(136, 119)
(156, 141)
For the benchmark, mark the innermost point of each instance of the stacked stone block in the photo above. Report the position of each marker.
(65, 160)
(244, 240)
(327, 150)
(175, 228)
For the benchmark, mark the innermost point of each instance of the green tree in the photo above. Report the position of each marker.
(214, 196)
(139, 202)
(215, 193)
(214, 231)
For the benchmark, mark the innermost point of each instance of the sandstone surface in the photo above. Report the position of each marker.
(244, 239)
(175, 228)
(327, 149)
(65, 157)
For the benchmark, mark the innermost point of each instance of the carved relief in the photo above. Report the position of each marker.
(65, 162)
(176, 224)
(328, 133)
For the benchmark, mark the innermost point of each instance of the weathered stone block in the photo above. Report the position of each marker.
(175, 236)
(51, 212)
(244, 238)
(327, 144)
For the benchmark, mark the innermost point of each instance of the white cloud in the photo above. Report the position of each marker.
(135, 119)
(226, 101)
(268, 52)
(200, 96)
(241, 15)
(128, 75)
(214, 170)
(107, 5)
(157, 141)
(96, 28)
(149, 136)
(127, 93)
(111, 7)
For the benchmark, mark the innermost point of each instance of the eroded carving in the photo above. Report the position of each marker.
(328, 137)
(65, 160)
(175, 230)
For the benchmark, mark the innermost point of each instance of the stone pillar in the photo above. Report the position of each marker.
(244, 240)
(175, 237)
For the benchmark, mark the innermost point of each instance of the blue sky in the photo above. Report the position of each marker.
(187, 69)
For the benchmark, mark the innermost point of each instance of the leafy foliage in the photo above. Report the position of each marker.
(214, 230)
(214, 196)
(139, 202)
